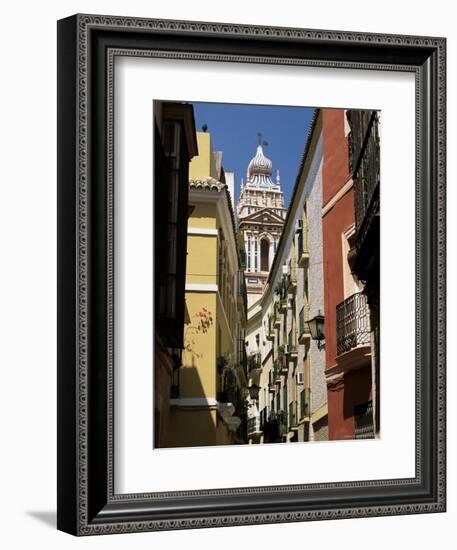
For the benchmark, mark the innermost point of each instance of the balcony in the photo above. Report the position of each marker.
(291, 348)
(242, 357)
(353, 332)
(302, 246)
(304, 334)
(283, 423)
(281, 292)
(277, 371)
(276, 316)
(242, 295)
(305, 403)
(291, 279)
(352, 323)
(263, 418)
(254, 426)
(271, 382)
(254, 362)
(282, 361)
(293, 416)
(270, 329)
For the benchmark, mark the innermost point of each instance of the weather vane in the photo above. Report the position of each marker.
(261, 142)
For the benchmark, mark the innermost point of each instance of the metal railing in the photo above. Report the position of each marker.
(352, 323)
(305, 402)
(242, 290)
(254, 424)
(292, 414)
(291, 279)
(263, 418)
(276, 315)
(270, 328)
(302, 243)
(283, 422)
(277, 371)
(242, 356)
(364, 160)
(254, 361)
(291, 342)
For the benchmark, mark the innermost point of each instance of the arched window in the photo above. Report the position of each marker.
(264, 255)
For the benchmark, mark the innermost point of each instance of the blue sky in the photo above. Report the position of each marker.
(234, 131)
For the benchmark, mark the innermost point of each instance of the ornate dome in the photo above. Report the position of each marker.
(260, 164)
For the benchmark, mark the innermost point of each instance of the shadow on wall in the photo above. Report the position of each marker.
(191, 426)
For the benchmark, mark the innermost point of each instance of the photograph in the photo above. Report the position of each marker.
(225, 283)
(266, 274)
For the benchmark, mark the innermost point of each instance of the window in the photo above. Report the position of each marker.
(255, 253)
(363, 420)
(264, 255)
(249, 253)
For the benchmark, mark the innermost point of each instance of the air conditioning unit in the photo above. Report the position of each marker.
(299, 225)
(300, 378)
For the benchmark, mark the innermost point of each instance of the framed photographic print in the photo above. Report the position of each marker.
(251, 274)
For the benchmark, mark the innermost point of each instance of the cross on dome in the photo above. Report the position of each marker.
(260, 167)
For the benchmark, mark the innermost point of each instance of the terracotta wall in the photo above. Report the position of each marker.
(335, 221)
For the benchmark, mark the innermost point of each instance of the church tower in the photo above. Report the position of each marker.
(261, 215)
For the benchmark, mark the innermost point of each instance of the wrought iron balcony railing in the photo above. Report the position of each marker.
(254, 425)
(305, 403)
(281, 292)
(282, 362)
(293, 416)
(302, 244)
(283, 422)
(242, 356)
(242, 293)
(254, 362)
(276, 316)
(364, 160)
(277, 371)
(263, 418)
(271, 381)
(292, 344)
(352, 323)
(291, 278)
(270, 328)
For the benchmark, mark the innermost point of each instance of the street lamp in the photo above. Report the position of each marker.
(316, 328)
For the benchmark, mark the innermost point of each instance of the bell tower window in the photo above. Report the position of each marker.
(264, 255)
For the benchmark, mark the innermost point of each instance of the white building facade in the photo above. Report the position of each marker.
(288, 364)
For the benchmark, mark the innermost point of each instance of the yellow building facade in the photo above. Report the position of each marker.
(209, 402)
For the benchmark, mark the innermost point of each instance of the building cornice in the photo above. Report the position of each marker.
(197, 287)
(205, 231)
(337, 196)
(321, 412)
